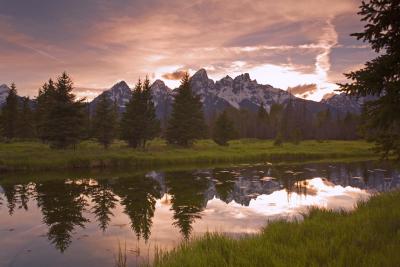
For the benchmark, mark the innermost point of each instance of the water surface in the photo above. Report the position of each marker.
(80, 220)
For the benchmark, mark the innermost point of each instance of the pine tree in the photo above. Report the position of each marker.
(223, 130)
(275, 116)
(25, 126)
(262, 122)
(104, 121)
(44, 103)
(10, 114)
(151, 125)
(187, 119)
(380, 76)
(132, 119)
(65, 118)
(87, 131)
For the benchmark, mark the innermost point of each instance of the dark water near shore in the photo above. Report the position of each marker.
(79, 221)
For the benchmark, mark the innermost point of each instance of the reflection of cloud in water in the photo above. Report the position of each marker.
(235, 218)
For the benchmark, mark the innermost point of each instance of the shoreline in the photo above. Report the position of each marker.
(323, 237)
(34, 156)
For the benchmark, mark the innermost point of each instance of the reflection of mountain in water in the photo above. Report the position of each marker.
(64, 203)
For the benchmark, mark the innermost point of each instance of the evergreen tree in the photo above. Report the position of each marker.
(87, 127)
(262, 122)
(223, 130)
(187, 119)
(104, 121)
(139, 123)
(44, 102)
(380, 76)
(151, 127)
(65, 118)
(275, 116)
(10, 114)
(25, 126)
(323, 123)
(132, 118)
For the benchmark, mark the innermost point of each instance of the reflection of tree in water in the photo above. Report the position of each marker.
(104, 201)
(10, 194)
(187, 199)
(17, 196)
(62, 206)
(138, 196)
(293, 181)
(225, 185)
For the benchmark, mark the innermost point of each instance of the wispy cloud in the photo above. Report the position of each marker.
(284, 43)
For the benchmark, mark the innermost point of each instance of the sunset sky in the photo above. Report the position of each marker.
(300, 44)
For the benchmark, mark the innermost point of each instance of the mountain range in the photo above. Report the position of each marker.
(240, 92)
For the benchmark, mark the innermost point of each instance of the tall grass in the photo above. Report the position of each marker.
(369, 236)
(89, 155)
(120, 258)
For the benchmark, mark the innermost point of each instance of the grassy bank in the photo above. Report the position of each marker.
(88, 155)
(370, 236)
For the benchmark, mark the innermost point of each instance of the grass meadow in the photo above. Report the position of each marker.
(88, 155)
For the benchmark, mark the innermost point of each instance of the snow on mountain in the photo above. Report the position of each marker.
(239, 92)
(346, 103)
(163, 97)
(120, 93)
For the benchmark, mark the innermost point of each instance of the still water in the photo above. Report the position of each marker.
(80, 219)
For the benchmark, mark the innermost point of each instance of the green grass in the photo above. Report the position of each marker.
(369, 236)
(89, 155)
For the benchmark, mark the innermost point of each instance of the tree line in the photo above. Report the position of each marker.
(56, 117)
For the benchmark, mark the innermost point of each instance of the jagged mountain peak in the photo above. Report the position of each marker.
(201, 73)
(120, 85)
(4, 88)
(201, 84)
(347, 103)
(158, 82)
(245, 77)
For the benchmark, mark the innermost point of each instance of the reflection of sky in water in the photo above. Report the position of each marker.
(166, 206)
(235, 218)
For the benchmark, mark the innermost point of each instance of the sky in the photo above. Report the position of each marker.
(302, 45)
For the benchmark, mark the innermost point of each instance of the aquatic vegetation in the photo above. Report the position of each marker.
(369, 236)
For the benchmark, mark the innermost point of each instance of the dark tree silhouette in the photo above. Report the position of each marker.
(139, 123)
(10, 192)
(104, 121)
(187, 199)
(62, 206)
(138, 196)
(9, 115)
(380, 76)
(187, 119)
(25, 126)
(223, 130)
(66, 115)
(44, 103)
(104, 200)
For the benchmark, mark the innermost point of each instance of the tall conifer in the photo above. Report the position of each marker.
(10, 114)
(223, 130)
(187, 119)
(65, 117)
(104, 121)
(25, 125)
